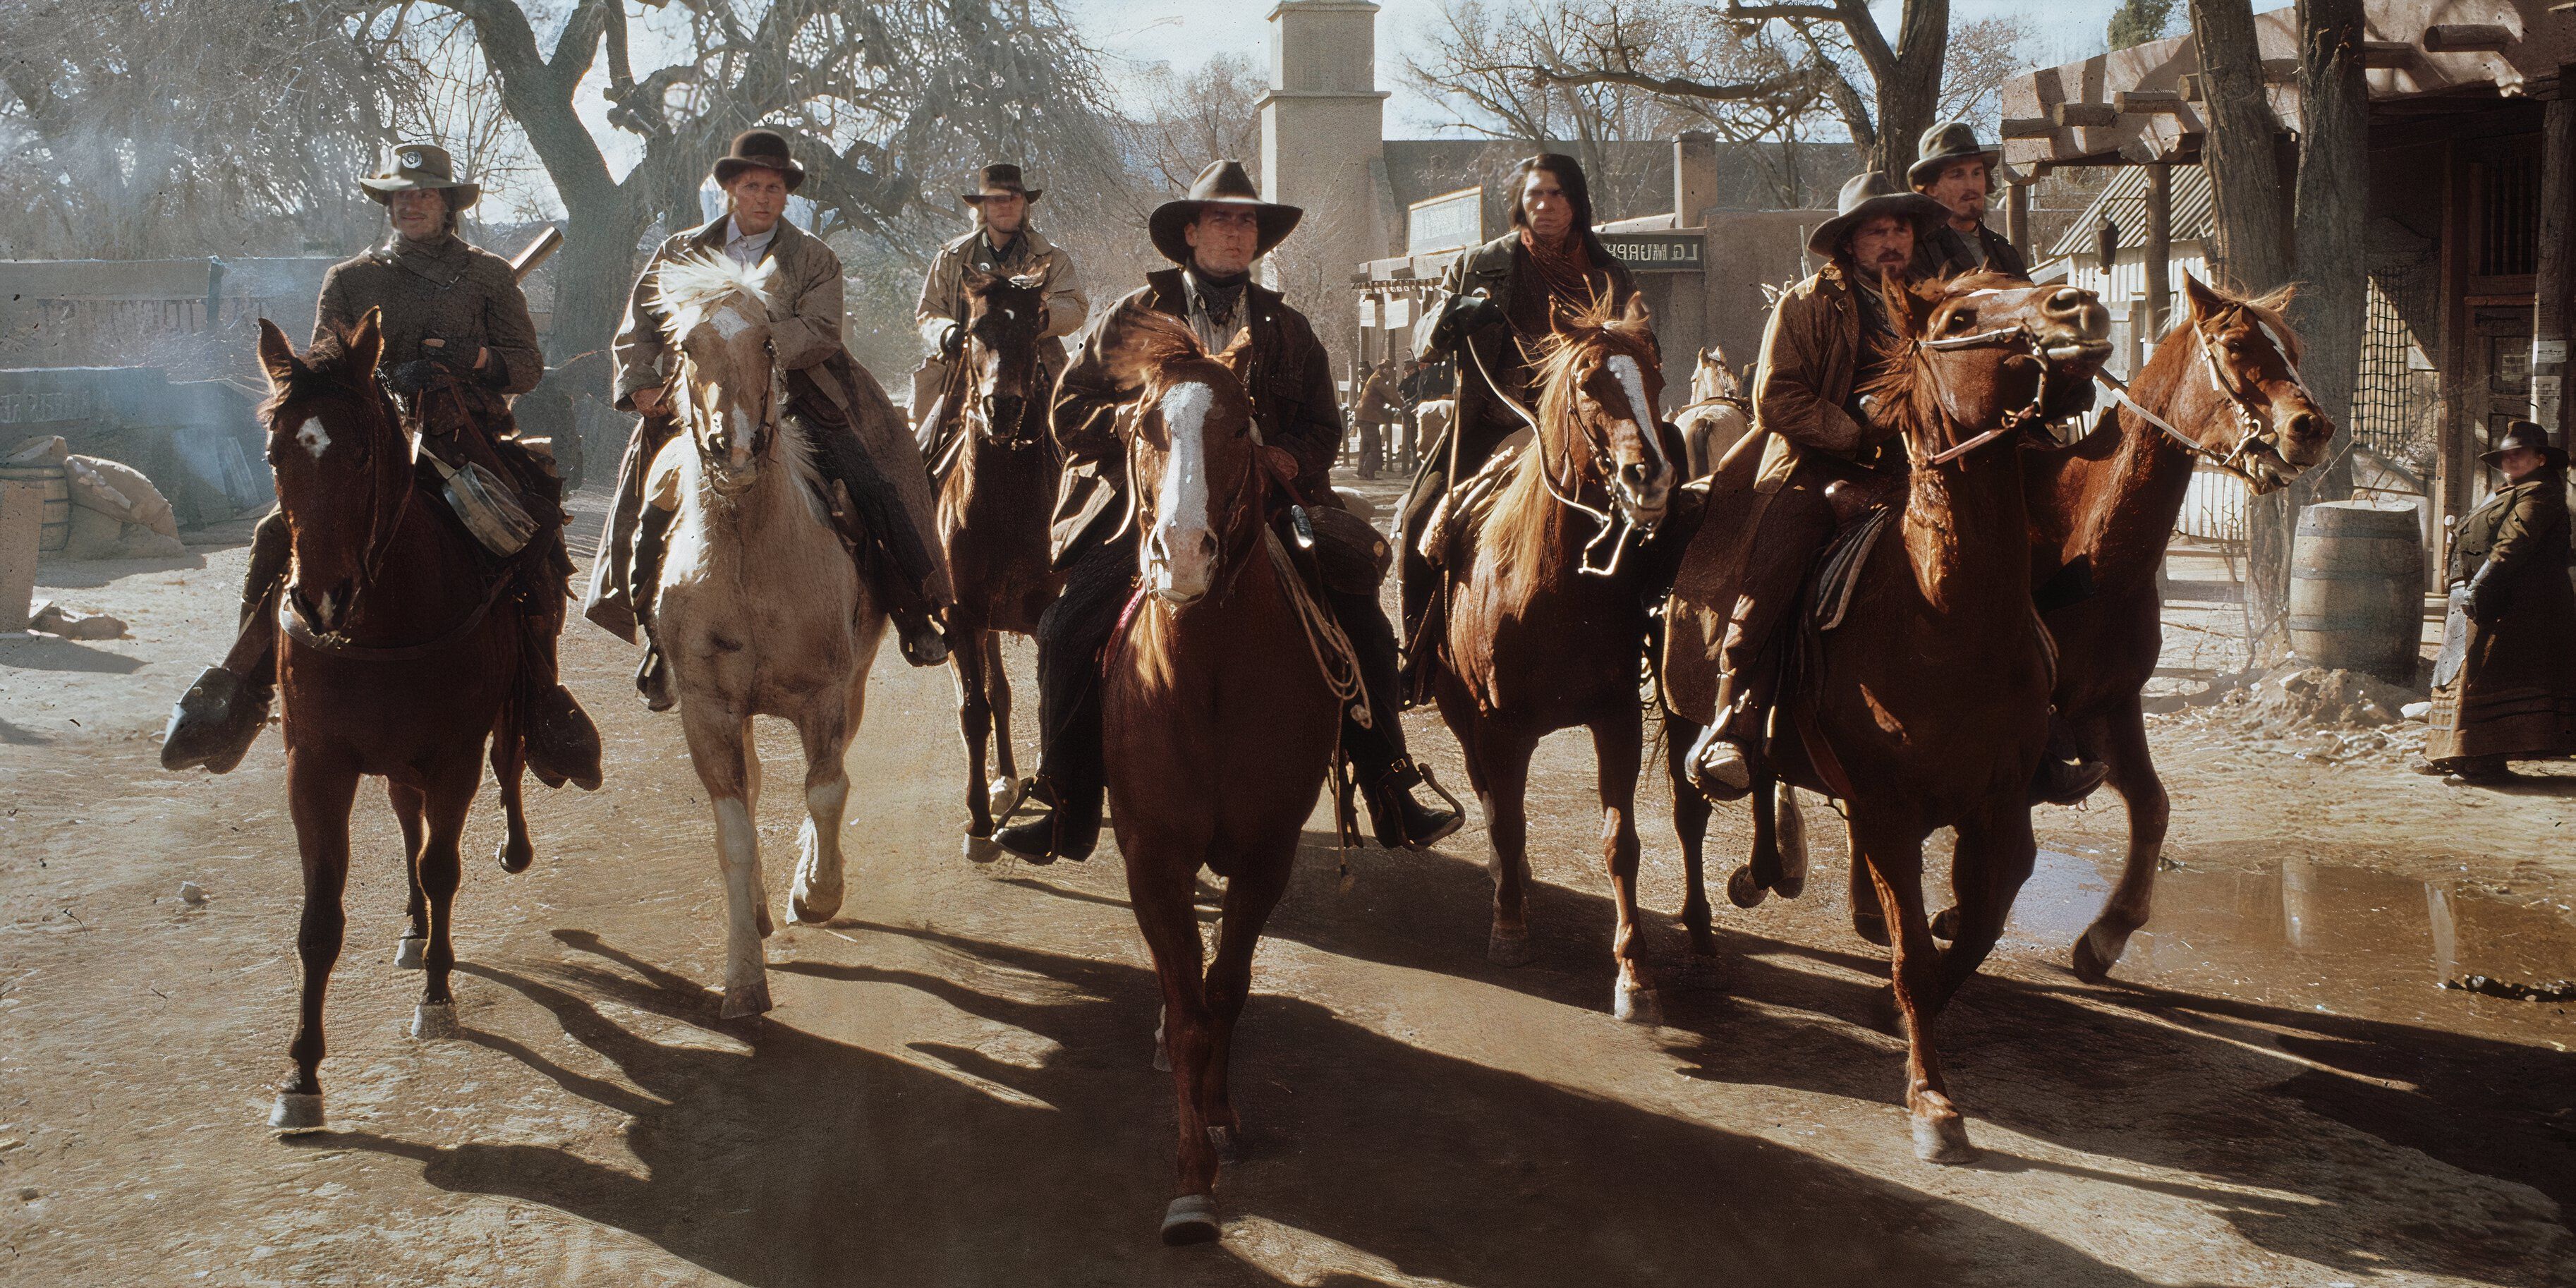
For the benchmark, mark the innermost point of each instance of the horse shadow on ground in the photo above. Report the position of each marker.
(90, 574)
(808, 1161)
(2123, 1071)
(51, 653)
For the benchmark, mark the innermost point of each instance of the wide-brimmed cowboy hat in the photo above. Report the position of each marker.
(764, 148)
(2523, 433)
(999, 179)
(1865, 197)
(1947, 142)
(1223, 183)
(421, 167)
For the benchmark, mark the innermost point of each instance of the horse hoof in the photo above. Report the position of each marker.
(1002, 796)
(981, 850)
(812, 910)
(297, 1111)
(1945, 924)
(1190, 1219)
(2093, 962)
(1743, 891)
(760, 921)
(1940, 1134)
(1792, 846)
(433, 1020)
(412, 953)
(1227, 1142)
(515, 856)
(746, 1000)
(1635, 1004)
(1510, 946)
(1871, 926)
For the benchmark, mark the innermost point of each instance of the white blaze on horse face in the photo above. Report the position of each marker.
(1180, 554)
(1633, 381)
(315, 439)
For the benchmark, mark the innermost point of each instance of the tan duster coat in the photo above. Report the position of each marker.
(943, 301)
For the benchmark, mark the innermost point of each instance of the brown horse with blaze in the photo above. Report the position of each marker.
(398, 654)
(1219, 720)
(1545, 629)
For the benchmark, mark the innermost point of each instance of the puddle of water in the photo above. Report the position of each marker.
(2315, 935)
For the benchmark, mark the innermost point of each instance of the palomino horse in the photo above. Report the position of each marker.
(1928, 706)
(1220, 716)
(397, 655)
(993, 508)
(2223, 387)
(760, 608)
(1540, 637)
(1716, 418)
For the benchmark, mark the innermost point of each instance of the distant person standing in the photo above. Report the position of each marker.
(1952, 168)
(1376, 411)
(2505, 686)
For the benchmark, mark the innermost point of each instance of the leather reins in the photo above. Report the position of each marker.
(1613, 525)
(2241, 403)
(2020, 337)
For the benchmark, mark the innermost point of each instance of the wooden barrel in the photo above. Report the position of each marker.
(2357, 589)
(55, 534)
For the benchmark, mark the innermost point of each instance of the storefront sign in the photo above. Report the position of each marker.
(1656, 252)
(1446, 222)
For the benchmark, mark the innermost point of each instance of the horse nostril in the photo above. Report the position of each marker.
(1637, 475)
(2067, 299)
(2304, 425)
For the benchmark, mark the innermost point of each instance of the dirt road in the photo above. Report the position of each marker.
(955, 1089)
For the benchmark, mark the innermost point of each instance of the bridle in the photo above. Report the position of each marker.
(1243, 504)
(2018, 337)
(679, 385)
(381, 527)
(2249, 417)
(1612, 525)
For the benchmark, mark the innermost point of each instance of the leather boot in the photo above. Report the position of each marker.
(1401, 822)
(1070, 830)
(643, 586)
(653, 677)
(215, 722)
(561, 742)
(919, 635)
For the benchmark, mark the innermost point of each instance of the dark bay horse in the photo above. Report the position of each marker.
(993, 507)
(1537, 640)
(2225, 385)
(1928, 707)
(397, 657)
(1220, 720)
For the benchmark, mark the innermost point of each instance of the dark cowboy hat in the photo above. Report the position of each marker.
(418, 167)
(764, 148)
(2523, 433)
(1947, 142)
(1223, 183)
(999, 179)
(1865, 197)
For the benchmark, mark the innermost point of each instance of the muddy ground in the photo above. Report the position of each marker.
(954, 1088)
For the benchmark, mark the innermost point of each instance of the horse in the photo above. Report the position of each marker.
(760, 609)
(1537, 637)
(1717, 417)
(993, 507)
(1220, 717)
(398, 654)
(1928, 706)
(2223, 387)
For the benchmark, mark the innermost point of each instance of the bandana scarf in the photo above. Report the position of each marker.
(1566, 270)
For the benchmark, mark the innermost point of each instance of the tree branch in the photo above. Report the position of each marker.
(1679, 87)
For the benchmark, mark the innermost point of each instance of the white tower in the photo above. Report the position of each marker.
(1323, 123)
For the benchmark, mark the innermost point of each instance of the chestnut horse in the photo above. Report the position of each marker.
(760, 611)
(993, 508)
(2223, 387)
(1544, 631)
(398, 651)
(1220, 720)
(1928, 707)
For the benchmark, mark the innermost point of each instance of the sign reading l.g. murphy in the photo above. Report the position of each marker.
(1656, 252)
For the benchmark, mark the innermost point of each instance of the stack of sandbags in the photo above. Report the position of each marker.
(118, 514)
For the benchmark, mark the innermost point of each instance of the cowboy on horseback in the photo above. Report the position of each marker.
(1952, 168)
(888, 499)
(1001, 244)
(458, 345)
(1500, 302)
(1214, 234)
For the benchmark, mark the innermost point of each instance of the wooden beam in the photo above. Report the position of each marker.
(2029, 127)
(2145, 102)
(2467, 38)
(2386, 53)
(2159, 257)
(2095, 115)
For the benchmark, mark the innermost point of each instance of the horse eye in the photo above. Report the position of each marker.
(1960, 320)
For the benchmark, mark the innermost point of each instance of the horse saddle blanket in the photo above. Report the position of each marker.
(1838, 573)
(1462, 509)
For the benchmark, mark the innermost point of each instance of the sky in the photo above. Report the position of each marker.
(1187, 32)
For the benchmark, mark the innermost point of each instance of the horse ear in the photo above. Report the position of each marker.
(2204, 301)
(276, 356)
(1636, 313)
(976, 281)
(366, 344)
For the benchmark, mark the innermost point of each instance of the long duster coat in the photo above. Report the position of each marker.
(2515, 694)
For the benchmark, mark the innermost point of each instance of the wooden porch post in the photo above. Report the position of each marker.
(2017, 217)
(2159, 265)
(2556, 280)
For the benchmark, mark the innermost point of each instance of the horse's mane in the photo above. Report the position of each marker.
(688, 287)
(1161, 348)
(1518, 520)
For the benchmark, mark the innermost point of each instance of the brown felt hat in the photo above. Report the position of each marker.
(999, 179)
(1947, 142)
(418, 167)
(764, 148)
(2523, 433)
(1865, 197)
(1223, 183)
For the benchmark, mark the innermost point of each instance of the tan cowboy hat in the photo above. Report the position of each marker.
(1223, 183)
(764, 148)
(1947, 142)
(2524, 433)
(1865, 197)
(1000, 179)
(421, 167)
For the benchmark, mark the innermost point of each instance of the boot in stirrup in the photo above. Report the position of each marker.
(561, 742)
(215, 722)
(1719, 766)
(1403, 823)
(1063, 831)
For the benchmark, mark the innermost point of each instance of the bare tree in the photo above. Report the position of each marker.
(1211, 111)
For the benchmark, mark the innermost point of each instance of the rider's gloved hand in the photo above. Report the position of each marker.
(411, 377)
(952, 341)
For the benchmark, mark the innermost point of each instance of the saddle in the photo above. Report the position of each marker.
(1460, 511)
